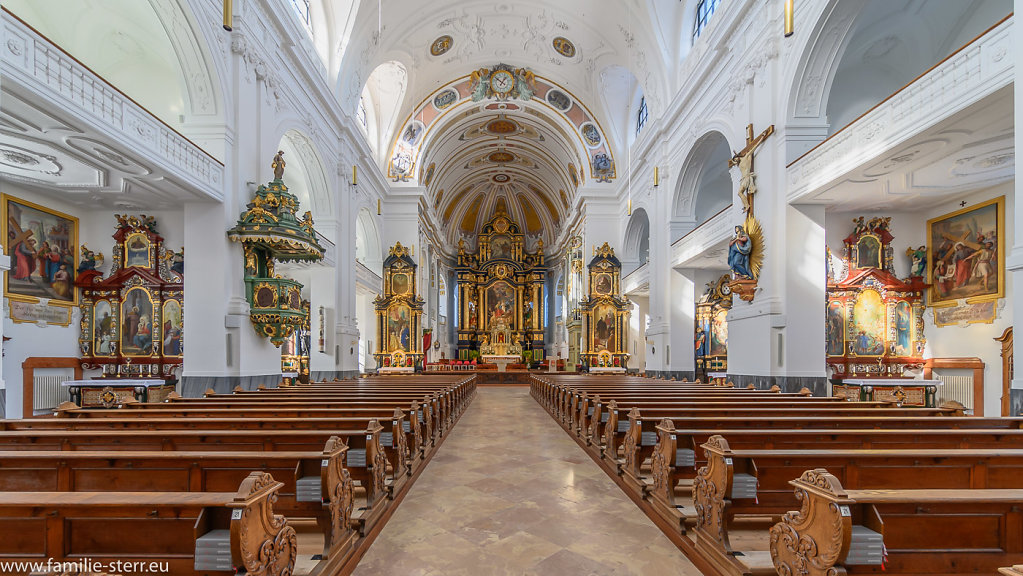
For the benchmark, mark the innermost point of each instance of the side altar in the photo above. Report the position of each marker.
(501, 293)
(605, 315)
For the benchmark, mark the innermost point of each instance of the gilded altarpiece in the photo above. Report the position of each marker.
(605, 314)
(874, 321)
(132, 320)
(501, 292)
(399, 313)
(711, 332)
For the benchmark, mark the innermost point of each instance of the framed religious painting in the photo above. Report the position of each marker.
(43, 246)
(966, 254)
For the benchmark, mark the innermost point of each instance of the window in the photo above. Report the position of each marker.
(641, 115)
(302, 7)
(704, 10)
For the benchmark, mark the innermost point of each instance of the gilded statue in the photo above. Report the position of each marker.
(278, 165)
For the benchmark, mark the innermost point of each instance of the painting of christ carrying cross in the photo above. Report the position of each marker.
(43, 246)
(966, 253)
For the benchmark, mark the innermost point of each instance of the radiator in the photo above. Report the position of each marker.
(956, 386)
(48, 392)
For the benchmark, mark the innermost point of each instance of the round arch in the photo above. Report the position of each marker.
(636, 243)
(705, 185)
(150, 50)
(367, 239)
(305, 175)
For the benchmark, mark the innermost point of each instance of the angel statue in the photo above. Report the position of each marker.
(739, 250)
(919, 260)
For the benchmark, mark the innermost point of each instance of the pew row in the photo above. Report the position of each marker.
(932, 532)
(193, 533)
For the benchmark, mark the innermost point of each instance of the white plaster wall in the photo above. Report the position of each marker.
(975, 340)
(95, 229)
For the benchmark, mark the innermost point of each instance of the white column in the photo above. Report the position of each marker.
(685, 288)
(1014, 261)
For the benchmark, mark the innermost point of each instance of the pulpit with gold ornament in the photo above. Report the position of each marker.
(605, 315)
(399, 314)
(270, 232)
(501, 292)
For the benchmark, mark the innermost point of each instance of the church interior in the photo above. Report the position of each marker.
(330, 287)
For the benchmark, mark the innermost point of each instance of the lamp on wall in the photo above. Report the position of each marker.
(378, 207)
(355, 181)
(657, 176)
(228, 15)
(790, 9)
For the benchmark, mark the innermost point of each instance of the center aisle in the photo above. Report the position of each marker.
(510, 493)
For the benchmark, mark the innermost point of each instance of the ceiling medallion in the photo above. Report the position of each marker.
(559, 100)
(441, 45)
(502, 126)
(445, 99)
(564, 47)
(501, 157)
(501, 178)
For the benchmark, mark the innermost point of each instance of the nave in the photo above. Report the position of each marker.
(517, 498)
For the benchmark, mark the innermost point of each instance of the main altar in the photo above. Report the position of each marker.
(501, 294)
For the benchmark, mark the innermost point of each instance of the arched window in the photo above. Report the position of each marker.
(704, 10)
(642, 114)
(302, 8)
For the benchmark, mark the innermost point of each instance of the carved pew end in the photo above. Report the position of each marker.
(209, 392)
(804, 391)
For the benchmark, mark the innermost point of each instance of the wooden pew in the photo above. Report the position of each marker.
(314, 484)
(366, 460)
(765, 490)
(924, 531)
(171, 527)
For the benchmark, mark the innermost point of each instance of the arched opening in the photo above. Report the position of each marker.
(705, 187)
(304, 174)
(636, 245)
(147, 50)
(382, 97)
(891, 43)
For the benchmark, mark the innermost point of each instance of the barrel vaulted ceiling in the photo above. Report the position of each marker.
(526, 156)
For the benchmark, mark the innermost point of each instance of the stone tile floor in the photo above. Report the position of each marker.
(509, 492)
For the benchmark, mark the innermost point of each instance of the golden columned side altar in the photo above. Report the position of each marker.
(501, 293)
(399, 311)
(605, 314)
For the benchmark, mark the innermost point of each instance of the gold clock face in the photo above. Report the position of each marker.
(502, 82)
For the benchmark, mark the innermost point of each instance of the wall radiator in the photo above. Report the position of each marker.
(48, 392)
(958, 386)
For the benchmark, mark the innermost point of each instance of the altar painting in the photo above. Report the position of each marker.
(137, 323)
(836, 329)
(603, 327)
(719, 333)
(966, 253)
(903, 329)
(500, 305)
(399, 332)
(172, 328)
(868, 324)
(104, 329)
(501, 247)
(137, 251)
(43, 246)
(399, 283)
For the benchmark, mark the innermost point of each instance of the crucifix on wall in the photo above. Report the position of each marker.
(744, 160)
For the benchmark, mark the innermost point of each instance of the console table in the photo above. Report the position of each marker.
(110, 392)
(916, 392)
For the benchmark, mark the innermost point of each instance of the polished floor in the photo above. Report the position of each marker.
(509, 492)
